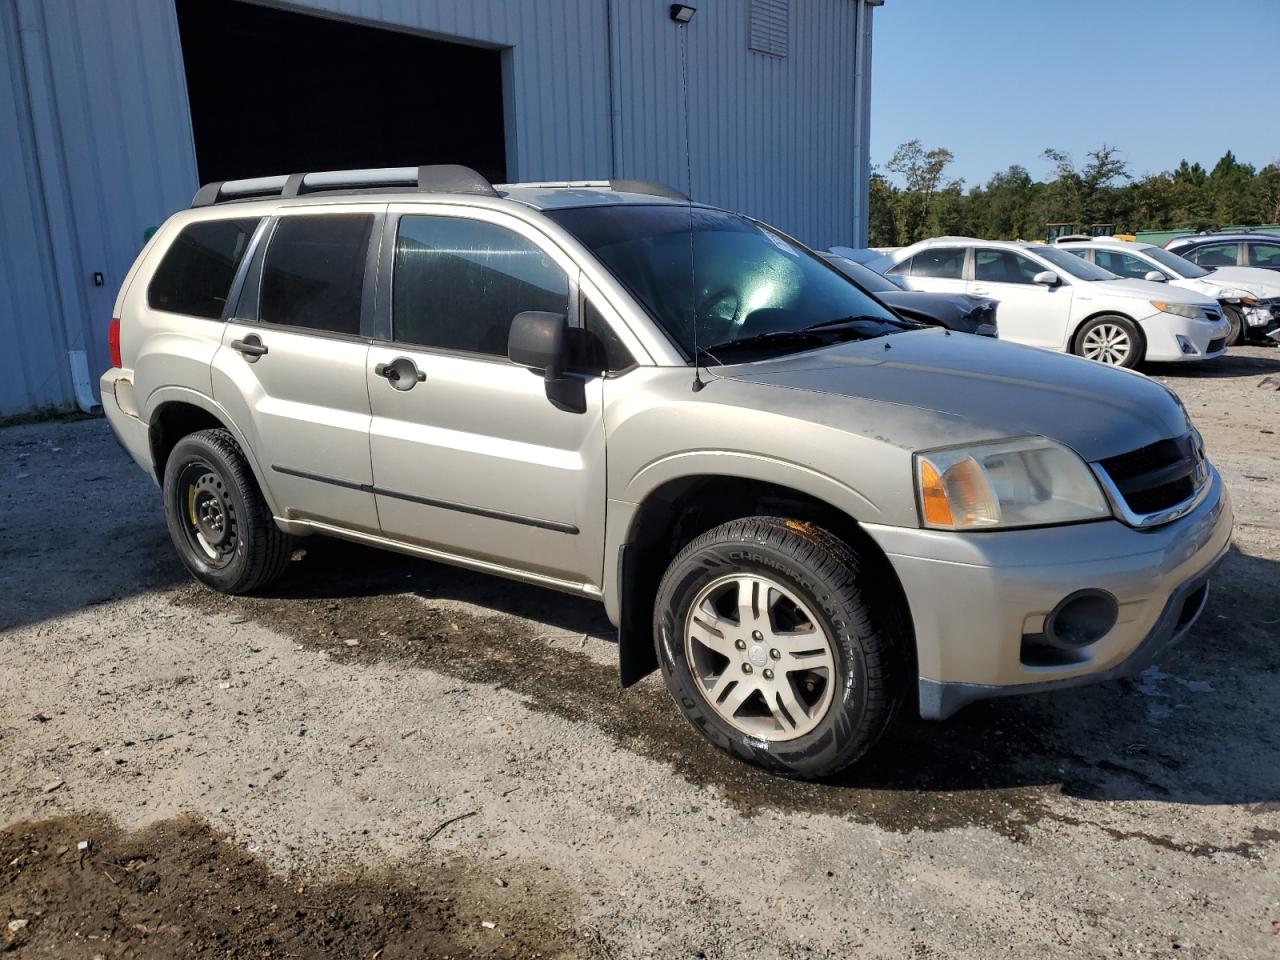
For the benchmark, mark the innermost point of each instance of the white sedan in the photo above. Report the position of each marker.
(1250, 296)
(1053, 299)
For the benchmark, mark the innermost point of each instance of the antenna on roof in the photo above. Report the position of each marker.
(681, 15)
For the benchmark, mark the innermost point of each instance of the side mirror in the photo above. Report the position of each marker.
(540, 341)
(1155, 276)
(1047, 278)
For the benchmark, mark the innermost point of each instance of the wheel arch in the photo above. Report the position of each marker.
(1099, 314)
(681, 509)
(175, 412)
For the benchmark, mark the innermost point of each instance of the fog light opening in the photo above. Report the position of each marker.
(1186, 345)
(1081, 619)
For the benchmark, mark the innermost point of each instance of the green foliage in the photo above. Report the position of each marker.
(1011, 205)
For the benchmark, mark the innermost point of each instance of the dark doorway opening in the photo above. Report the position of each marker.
(273, 92)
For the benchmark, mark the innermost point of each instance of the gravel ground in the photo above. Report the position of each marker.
(383, 754)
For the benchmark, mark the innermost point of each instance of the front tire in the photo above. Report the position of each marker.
(782, 645)
(1235, 330)
(1111, 339)
(218, 521)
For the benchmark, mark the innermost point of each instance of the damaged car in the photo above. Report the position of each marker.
(1249, 296)
(959, 312)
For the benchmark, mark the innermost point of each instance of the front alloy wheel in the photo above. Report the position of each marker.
(783, 645)
(760, 658)
(1107, 343)
(1113, 340)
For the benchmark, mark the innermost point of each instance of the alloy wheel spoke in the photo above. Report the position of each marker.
(732, 701)
(752, 603)
(712, 632)
(786, 707)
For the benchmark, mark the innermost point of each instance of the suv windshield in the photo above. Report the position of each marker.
(1179, 265)
(1072, 264)
(752, 291)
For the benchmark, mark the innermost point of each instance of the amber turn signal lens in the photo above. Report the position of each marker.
(937, 511)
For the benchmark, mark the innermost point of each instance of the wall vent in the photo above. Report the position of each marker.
(770, 26)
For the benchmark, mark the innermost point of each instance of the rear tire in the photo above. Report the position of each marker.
(218, 520)
(785, 647)
(1111, 339)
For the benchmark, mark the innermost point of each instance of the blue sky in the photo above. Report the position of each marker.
(997, 81)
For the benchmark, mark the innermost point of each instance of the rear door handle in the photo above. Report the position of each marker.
(981, 291)
(402, 373)
(251, 347)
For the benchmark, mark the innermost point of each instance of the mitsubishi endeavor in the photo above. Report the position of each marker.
(805, 510)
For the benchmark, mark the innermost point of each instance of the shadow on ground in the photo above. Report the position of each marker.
(1259, 360)
(1189, 735)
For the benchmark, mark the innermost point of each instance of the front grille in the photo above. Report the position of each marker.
(1216, 345)
(1158, 476)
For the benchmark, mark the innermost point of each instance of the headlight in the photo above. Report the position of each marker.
(1012, 483)
(1189, 310)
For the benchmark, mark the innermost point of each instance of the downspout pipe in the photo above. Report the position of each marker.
(862, 119)
(63, 251)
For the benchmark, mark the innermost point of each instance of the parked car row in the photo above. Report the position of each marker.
(1051, 299)
(805, 510)
(1249, 297)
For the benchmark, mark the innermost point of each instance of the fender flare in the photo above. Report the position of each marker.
(176, 394)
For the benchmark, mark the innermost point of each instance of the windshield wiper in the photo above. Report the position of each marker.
(825, 331)
(763, 339)
(858, 319)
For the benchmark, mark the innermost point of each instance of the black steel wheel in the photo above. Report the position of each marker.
(217, 517)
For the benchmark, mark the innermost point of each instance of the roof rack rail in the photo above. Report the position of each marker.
(435, 178)
(647, 187)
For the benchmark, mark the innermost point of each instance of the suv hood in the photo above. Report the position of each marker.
(985, 389)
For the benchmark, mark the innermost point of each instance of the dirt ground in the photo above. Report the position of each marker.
(383, 757)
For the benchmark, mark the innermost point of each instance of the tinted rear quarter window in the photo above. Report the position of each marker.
(459, 283)
(313, 274)
(1214, 254)
(1265, 255)
(195, 275)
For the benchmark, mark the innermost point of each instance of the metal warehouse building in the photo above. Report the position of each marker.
(114, 111)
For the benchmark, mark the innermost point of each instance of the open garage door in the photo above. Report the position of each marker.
(273, 91)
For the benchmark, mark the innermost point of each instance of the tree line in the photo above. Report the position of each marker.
(925, 202)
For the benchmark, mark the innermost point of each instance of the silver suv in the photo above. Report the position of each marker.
(807, 511)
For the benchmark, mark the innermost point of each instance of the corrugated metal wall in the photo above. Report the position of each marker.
(95, 137)
(770, 136)
(98, 123)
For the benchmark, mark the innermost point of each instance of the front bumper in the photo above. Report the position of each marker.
(1171, 338)
(975, 598)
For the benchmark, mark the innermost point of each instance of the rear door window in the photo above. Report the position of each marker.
(313, 273)
(197, 270)
(1215, 254)
(458, 284)
(1265, 255)
(943, 263)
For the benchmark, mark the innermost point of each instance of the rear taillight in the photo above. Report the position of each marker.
(113, 343)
